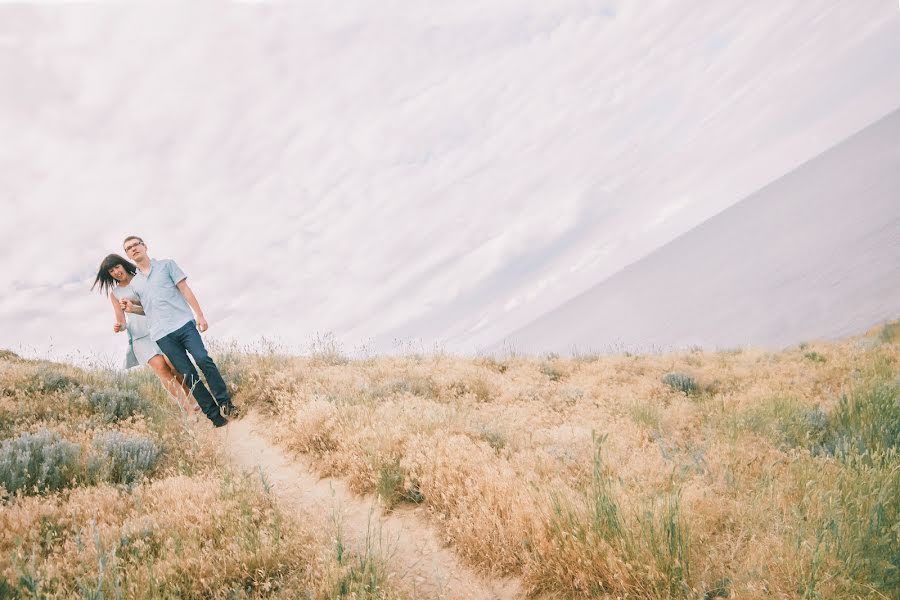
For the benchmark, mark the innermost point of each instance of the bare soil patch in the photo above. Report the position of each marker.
(415, 555)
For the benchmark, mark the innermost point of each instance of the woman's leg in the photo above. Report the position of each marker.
(172, 346)
(170, 381)
(191, 402)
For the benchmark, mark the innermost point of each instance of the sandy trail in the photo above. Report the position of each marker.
(412, 551)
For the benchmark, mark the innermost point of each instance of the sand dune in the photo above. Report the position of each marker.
(815, 254)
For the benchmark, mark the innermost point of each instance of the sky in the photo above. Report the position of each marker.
(399, 174)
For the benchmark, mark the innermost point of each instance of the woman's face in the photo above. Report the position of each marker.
(118, 273)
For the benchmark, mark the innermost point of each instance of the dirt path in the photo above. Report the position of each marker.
(410, 547)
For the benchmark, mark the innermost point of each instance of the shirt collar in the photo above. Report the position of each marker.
(150, 270)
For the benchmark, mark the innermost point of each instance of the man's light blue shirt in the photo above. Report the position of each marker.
(163, 302)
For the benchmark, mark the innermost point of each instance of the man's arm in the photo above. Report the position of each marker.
(188, 294)
(132, 306)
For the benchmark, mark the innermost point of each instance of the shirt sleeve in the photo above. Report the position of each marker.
(176, 273)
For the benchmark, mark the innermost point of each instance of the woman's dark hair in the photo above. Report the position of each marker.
(104, 279)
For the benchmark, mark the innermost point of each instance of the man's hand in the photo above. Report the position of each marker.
(118, 327)
(191, 299)
(128, 305)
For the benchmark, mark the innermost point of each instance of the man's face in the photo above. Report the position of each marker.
(135, 249)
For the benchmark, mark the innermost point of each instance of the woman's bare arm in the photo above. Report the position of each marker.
(120, 314)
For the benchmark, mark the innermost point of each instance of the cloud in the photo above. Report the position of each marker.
(411, 169)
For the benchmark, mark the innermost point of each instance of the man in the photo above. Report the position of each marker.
(167, 300)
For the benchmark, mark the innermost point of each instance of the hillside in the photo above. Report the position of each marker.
(743, 473)
(815, 254)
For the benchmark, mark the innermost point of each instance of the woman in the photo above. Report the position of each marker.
(114, 277)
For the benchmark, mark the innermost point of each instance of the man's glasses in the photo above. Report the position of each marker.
(131, 247)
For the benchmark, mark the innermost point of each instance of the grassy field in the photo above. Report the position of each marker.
(740, 473)
(743, 474)
(109, 491)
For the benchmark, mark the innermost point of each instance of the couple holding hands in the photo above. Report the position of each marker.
(162, 329)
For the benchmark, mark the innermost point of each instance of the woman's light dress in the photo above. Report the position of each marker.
(141, 348)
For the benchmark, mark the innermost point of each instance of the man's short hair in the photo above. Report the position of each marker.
(132, 237)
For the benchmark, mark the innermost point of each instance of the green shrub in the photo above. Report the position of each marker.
(665, 537)
(119, 458)
(801, 427)
(363, 576)
(651, 537)
(392, 485)
(866, 420)
(495, 439)
(40, 462)
(789, 424)
(115, 403)
(860, 527)
(50, 379)
(552, 373)
(814, 357)
(681, 382)
(850, 520)
(848, 537)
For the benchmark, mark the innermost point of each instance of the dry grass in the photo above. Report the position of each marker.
(748, 474)
(115, 494)
(743, 474)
